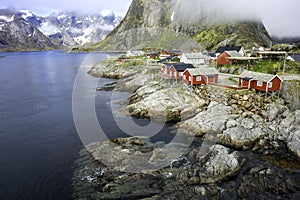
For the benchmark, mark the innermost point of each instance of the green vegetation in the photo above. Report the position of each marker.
(269, 67)
(244, 33)
(285, 47)
(133, 63)
(276, 66)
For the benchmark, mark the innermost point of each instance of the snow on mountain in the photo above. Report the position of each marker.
(48, 29)
(7, 19)
(83, 29)
(26, 13)
(62, 28)
(19, 32)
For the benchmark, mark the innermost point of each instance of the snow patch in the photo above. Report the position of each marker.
(26, 14)
(7, 19)
(106, 13)
(59, 17)
(48, 29)
(86, 37)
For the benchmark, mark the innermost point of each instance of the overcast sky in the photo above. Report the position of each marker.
(281, 17)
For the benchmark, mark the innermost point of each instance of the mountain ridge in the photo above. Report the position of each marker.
(22, 30)
(150, 20)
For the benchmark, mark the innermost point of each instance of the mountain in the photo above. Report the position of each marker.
(175, 24)
(21, 30)
(75, 29)
(16, 33)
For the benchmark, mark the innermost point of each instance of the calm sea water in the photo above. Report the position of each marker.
(38, 139)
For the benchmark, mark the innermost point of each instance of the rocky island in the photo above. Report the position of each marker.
(246, 146)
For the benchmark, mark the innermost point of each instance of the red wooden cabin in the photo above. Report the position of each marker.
(165, 70)
(260, 81)
(222, 59)
(200, 76)
(176, 70)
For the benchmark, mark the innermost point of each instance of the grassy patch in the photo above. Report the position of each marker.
(277, 66)
(133, 63)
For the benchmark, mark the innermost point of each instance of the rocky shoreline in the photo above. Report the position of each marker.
(253, 149)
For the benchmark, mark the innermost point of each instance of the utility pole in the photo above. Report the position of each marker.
(284, 63)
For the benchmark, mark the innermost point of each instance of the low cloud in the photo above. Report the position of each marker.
(119, 6)
(280, 17)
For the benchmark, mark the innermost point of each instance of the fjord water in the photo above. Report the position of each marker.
(38, 140)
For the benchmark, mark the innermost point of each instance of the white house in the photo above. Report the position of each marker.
(194, 58)
(135, 53)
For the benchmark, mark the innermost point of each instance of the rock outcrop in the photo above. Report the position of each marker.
(211, 120)
(248, 148)
(159, 101)
(219, 164)
(291, 91)
(165, 24)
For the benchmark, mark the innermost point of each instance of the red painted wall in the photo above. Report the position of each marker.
(243, 83)
(202, 81)
(221, 60)
(276, 85)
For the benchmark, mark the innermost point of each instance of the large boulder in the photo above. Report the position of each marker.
(293, 143)
(164, 103)
(211, 120)
(219, 164)
(291, 91)
(241, 137)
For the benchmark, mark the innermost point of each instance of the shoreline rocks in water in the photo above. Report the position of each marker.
(245, 125)
(221, 173)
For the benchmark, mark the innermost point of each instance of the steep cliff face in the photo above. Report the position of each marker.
(174, 24)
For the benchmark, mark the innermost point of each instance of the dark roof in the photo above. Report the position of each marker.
(247, 78)
(228, 48)
(212, 54)
(168, 65)
(180, 67)
(166, 59)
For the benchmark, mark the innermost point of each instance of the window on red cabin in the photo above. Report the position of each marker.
(259, 83)
(270, 85)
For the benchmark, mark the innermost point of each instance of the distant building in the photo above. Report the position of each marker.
(199, 76)
(171, 53)
(222, 59)
(152, 55)
(135, 53)
(260, 81)
(239, 49)
(174, 70)
(194, 58)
